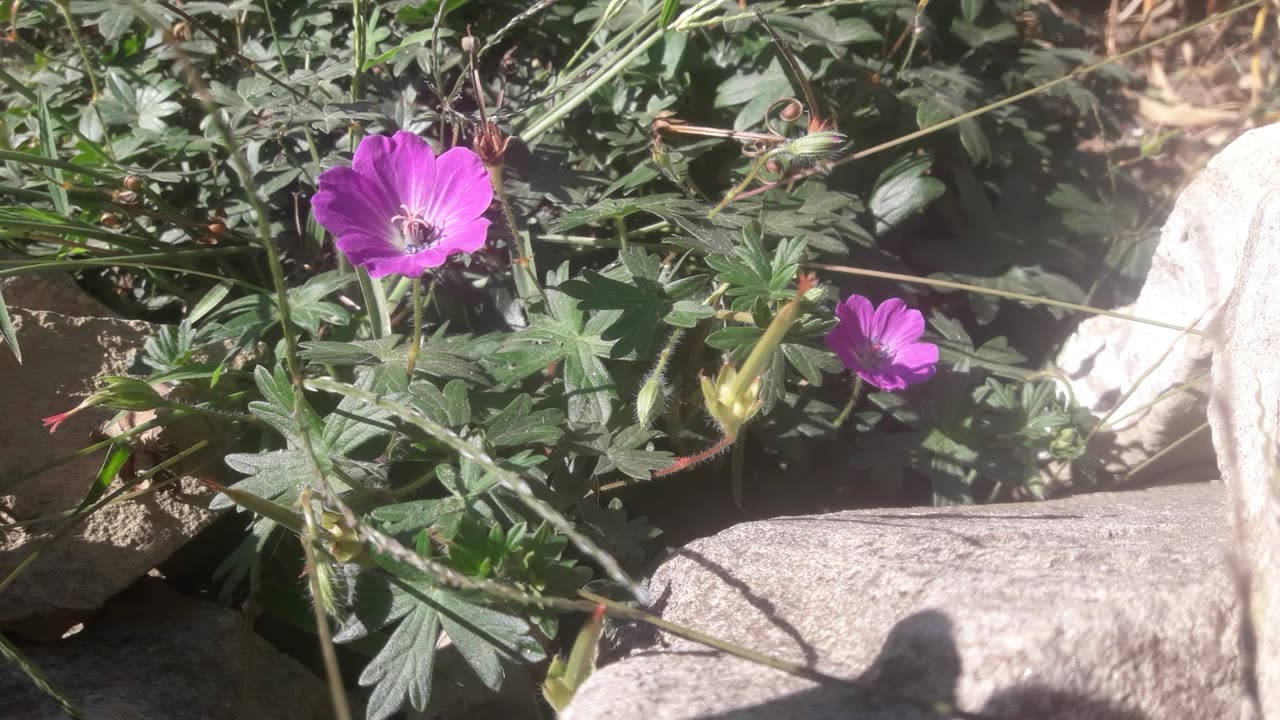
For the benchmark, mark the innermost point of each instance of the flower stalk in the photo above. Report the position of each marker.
(853, 400)
(415, 345)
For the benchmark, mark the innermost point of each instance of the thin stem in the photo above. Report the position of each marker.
(1173, 345)
(688, 461)
(1187, 437)
(84, 58)
(415, 345)
(912, 279)
(546, 122)
(260, 211)
(622, 233)
(618, 610)
(10, 652)
(853, 400)
(333, 675)
(751, 175)
(526, 274)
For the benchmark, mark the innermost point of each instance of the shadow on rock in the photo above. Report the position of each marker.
(915, 675)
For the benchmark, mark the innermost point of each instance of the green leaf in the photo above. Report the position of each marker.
(564, 333)
(753, 274)
(115, 22)
(517, 424)
(956, 349)
(755, 92)
(628, 453)
(902, 190)
(112, 464)
(7, 331)
(615, 529)
(402, 672)
(49, 149)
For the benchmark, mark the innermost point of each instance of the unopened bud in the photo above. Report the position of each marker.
(651, 401)
(216, 228)
(813, 147)
(133, 182)
(124, 393)
(110, 220)
(469, 44)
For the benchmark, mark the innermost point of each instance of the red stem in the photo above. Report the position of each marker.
(690, 460)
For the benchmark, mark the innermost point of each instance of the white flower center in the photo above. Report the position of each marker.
(416, 233)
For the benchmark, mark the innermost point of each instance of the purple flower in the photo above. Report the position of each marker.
(882, 345)
(400, 209)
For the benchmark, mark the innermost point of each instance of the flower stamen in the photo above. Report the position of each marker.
(418, 234)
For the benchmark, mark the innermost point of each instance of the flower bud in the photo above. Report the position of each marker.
(1067, 444)
(133, 183)
(123, 393)
(791, 110)
(813, 147)
(651, 401)
(344, 543)
(731, 406)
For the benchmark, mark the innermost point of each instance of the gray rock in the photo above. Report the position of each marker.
(1245, 420)
(154, 654)
(1192, 273)
(57, 292)
(63, 357)
(1100, 607)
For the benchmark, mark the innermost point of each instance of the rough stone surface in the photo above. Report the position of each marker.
(62, 359)
(152, 653)
(1192, 273)
(1245, 419)
(49, 291)
(1098, 607)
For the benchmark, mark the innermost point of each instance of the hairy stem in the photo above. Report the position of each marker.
(415, 345)
(848, 407)
(688, 461)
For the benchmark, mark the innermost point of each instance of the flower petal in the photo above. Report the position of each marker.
(403, 166)
(348, 203)
(886, 319)
(462, 190)
(363, 249)
(901, 328)
(916, 356)
(856, 311)
(464, 238)
(842, 340)
(411, 266)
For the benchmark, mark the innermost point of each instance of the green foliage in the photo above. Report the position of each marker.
(493, 458)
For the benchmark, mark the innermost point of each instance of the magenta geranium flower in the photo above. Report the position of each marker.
(882, 345)
(399, 209)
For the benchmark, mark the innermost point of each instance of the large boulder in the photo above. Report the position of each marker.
(56, 291)
(1191, 275)
(63, 357)
(1245, 420)
(1097, 607)
(152, 653)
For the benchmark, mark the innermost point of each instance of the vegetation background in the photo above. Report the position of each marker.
(165, 152)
